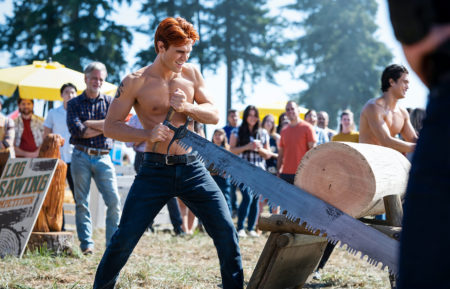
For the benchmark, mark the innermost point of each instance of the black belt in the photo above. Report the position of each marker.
(92, 151)
(169, 159)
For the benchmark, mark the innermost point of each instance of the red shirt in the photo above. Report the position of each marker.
(294, 142)
(27, 140)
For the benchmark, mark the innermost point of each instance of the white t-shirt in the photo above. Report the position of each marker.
(56, 121)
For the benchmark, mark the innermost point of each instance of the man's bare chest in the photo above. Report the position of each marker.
(156, 94)
(395, 122)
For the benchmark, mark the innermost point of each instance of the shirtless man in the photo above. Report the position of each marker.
(152, 90)
(382, 119)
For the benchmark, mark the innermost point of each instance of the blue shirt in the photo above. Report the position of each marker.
(82, 108)
(322, 137)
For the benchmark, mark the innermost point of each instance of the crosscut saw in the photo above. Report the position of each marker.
(318, 215)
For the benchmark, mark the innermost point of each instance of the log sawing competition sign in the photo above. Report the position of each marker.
(23, 186)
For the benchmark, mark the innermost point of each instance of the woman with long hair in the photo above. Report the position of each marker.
(251, 143)
(347, 131)
(268, 124)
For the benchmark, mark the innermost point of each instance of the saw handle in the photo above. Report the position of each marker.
(169, 116)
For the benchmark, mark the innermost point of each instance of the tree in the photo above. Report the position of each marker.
(71, 32)
(193, 11)
(245, 38)
(341, 58)
(239, 34)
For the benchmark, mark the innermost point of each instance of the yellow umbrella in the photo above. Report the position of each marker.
(275, 108)
(43, 80)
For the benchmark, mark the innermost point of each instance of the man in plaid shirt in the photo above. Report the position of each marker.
(85, 118)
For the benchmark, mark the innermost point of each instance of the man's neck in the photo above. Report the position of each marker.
(26, 116)
(295, 121)
(91, 94)
(390, 101)
(161, 70)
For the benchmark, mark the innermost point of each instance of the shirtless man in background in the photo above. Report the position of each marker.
(152, 90)
(382, 119)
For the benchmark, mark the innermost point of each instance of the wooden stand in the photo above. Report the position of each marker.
(287, 258)
(57, 242)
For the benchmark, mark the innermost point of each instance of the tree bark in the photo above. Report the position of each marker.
(353, 177)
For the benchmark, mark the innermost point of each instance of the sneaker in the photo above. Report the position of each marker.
(242, 234)
(317, 275)
(253, 234)
(88, 251)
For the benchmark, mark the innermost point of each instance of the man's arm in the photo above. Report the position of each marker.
(78, 128)
(95, 124)
(203, 110)
(115, 126)
(24, 154)
(408, 133)
(381, 131)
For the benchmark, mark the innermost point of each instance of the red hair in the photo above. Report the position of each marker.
(175, 31)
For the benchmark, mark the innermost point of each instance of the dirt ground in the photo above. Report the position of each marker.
(162, 260)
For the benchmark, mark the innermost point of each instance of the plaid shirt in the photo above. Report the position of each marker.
(252, 156)
(82, 108)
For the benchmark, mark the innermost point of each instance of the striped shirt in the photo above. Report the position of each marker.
(82, 108)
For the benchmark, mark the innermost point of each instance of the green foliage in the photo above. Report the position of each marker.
(157, 11)
(239, 34)
(341, 58)
(245, 38)
(72, 32)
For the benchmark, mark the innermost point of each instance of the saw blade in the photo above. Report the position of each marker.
(332, 223)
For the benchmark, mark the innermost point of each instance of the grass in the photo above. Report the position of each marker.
(162, 260)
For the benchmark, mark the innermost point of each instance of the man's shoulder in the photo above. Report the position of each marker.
(191, 72)
(76, 99)
(372, 106)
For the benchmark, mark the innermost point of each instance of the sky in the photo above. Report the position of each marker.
(263, 93)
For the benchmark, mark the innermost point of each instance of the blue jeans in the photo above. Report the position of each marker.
(424, 254)
(224, 185)
(233, 197)
(101, 168)
(154, 185)
(248, 210)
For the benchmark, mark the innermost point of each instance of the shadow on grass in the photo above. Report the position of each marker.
(319, 285)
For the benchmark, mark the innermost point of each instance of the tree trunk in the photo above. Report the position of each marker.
(353, 177)
(57, 242)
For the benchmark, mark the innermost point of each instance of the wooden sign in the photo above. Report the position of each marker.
(23, 186)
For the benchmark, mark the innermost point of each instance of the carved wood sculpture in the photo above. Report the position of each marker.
(353, 177)
(50, 217)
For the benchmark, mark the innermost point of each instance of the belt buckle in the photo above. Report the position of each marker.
(170, 160)
(92, 152)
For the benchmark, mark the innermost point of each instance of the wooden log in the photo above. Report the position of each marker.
(281, 224)
(50, 217)
(263, 261)
(57, 242)
(391, 231)
(296, 257)
(394, 210)
(353, 177)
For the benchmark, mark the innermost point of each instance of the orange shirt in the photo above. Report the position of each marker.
(294, 142)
